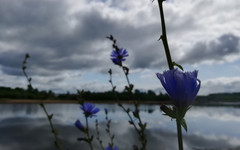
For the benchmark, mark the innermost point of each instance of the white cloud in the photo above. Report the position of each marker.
(220, 84)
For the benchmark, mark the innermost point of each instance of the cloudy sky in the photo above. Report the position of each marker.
(68, 49)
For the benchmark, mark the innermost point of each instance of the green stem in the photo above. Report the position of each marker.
(98, 136)
(120, 105)
(126, 77)
(88, 136)
(179, 132)
(54, 131)
(164, 35)
(49, 117)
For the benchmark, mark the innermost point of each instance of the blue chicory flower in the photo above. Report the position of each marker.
(106, 110)
(89, 109)
(110, 148)
(119, 56)
(79, 125)
(182, 87)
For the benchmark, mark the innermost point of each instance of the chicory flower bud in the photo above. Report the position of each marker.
(182, 87)
(79, 125)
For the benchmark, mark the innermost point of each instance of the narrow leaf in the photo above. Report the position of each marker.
(184, 124)
(179, 66)
(168, 111)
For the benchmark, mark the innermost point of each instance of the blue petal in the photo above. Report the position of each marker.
(89, 109)
(182, 87)
(110, 148)
(95, 110)
(115, 148)
(118, 56)
(78, 124)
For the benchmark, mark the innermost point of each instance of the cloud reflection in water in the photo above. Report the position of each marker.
(26, 128)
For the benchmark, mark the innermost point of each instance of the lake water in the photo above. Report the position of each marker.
(25, 127)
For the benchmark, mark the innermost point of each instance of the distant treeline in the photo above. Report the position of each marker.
(218, 97)
(19, 93)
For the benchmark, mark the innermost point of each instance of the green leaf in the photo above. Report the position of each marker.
(184, 124)
(136, 113)
(50, 116)
(110, 71)
(142, 126)
(125, 69)
(131, 87)
(41, 104)
(168, 111)
(113, 136)
(130, 122)
(179, 66)
(55, 131)
(27, 55)
(114, 88)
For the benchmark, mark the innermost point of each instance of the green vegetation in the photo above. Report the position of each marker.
(19, 93)
(218, 98)
(149, 96)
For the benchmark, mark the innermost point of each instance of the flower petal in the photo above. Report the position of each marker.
(182, 87)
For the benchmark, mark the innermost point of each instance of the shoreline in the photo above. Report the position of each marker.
(29, 101)
(35, 101)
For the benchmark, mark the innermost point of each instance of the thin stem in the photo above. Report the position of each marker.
(130, 117)
(141, 132)
(179, 132)
(164, 35)
(98, 136)
(88, 136)
(126, 77)
(24, 67)
(129, 88)
(108, 130)
(128, 113)
(170, 65)
(49, 117)
(111, 81)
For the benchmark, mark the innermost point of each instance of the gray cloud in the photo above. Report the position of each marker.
(42, 29)
(53, 44)
(68, 36)
(220, 85)
(214, 50)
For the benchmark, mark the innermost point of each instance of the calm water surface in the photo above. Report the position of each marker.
(25, 127)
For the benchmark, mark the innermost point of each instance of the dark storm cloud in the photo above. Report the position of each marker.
(43, 29)
(11, 62)
(215, 50)
(26, 20)
(10, 59)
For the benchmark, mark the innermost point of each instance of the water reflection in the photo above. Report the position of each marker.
(25, 127)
